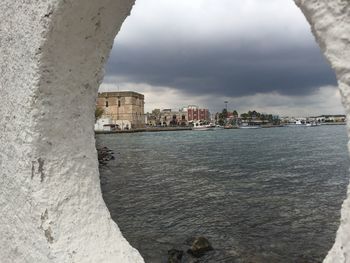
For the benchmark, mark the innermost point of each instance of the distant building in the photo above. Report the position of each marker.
(153, 118)
(169, 117)
(285, 119)
(194, 113)
(320, 119)
(181, 117)
(125, 108)
(331, 118)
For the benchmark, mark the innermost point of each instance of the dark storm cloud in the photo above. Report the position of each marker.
(252, 53)
(227, 48)
(223, 68)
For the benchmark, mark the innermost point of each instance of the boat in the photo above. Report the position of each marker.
(219, 127)
(299, 123)
(200, 126)
(246, 126)
(312, 124)
(250, 127)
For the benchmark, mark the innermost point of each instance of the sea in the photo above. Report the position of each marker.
(258, 195)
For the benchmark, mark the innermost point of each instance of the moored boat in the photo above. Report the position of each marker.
(312, 124)
(246, 126)
(250, 127)
(218, 127)
(200, 126)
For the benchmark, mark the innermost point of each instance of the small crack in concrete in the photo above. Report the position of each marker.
(41, 169)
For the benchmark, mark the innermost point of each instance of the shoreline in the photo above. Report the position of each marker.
(146, 130)
(173, 129)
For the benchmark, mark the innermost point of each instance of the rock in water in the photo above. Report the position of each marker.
(200, 245)
(175, 256)
(104, 155)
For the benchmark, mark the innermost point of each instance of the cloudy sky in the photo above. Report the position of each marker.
(255, 54)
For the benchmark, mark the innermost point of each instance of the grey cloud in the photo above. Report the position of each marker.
(225, 69)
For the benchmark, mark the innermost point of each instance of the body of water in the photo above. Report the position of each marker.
(263, 195)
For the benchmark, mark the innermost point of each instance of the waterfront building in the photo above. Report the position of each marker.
(181, 117)
(124, 108)
(338, 118)
(153, 118)
(331, 118)
(194, 113)
(169, 117)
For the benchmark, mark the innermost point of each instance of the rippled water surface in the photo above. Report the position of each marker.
(265, 195)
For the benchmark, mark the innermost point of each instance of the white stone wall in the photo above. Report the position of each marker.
(52, 53)
(330, 22)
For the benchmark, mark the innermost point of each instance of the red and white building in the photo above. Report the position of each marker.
(194, 113)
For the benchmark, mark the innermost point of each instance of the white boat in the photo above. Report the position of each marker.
(246, 126)
(218, 127)
(299, 123)
(250, 127)
(312, 124)
(200, 126)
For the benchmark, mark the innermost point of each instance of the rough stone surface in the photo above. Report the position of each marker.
(52, 53)
(199, 246)
(330, 23)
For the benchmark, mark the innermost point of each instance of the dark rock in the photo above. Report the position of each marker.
(175, 256)
(104, 155)
(199, 246)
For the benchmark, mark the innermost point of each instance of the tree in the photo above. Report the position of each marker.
(270, 118)
(156, 112)
(244, 116)
(224, 113)
(221, 122)
(98, 113)
(222, 117)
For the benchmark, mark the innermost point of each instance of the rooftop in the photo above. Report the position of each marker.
(121, 94)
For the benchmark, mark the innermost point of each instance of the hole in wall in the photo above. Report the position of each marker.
(262, 196)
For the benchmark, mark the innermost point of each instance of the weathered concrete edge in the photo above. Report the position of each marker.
(50, 198)
(330, 24)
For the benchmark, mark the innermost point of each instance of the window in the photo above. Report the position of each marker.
(119, 103)
(106, 103)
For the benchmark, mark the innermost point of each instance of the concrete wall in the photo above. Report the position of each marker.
(52, 53)
(330, 22)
